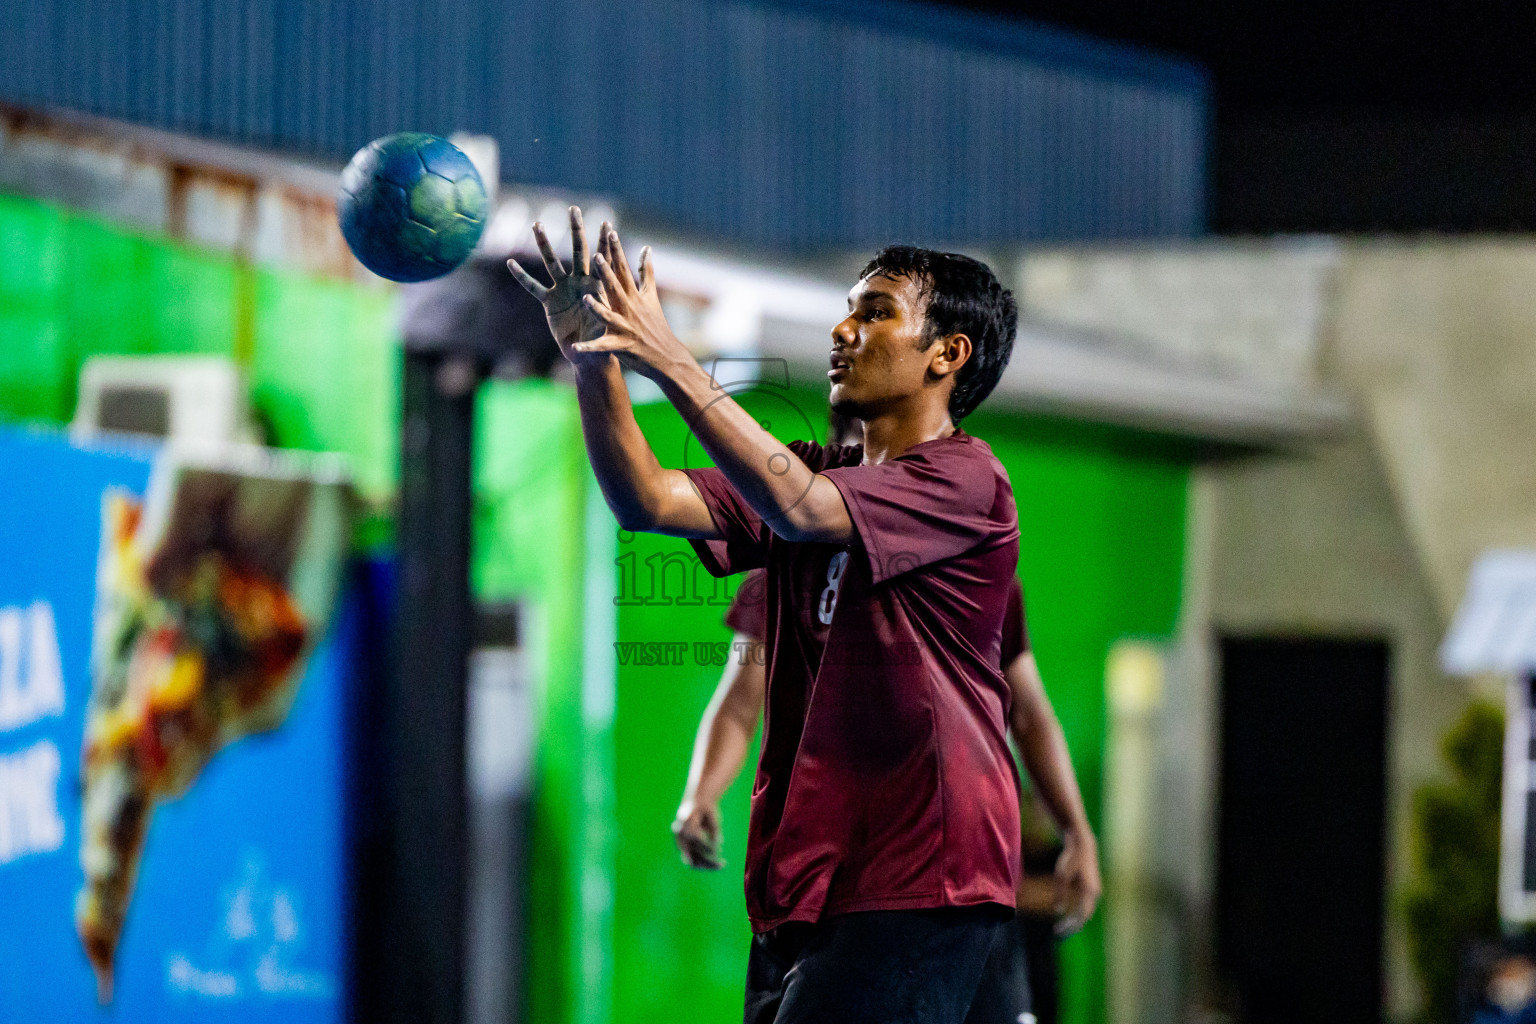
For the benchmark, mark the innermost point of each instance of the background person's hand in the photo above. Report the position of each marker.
(1078, 884)
(570, 320)
(696, 831)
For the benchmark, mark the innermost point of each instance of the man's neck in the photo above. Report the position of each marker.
(893, 433)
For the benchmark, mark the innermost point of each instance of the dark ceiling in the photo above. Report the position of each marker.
(1400, 116)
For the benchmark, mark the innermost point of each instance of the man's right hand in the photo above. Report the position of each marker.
(697, 833)
(570, 320)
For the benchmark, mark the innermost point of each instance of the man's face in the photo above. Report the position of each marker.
(879, 352)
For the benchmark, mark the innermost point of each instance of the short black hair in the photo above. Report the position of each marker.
(964, 297)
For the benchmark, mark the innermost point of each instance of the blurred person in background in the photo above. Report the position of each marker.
(884, 840)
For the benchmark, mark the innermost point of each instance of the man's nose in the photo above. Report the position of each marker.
(844, 334)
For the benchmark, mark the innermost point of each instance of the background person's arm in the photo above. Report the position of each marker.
(1043, 746)
(719, 753)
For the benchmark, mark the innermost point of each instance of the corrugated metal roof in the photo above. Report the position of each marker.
(806, 123)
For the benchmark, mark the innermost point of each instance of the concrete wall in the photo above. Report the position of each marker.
(1252, 309)
(1434, 339)
(1437, 339)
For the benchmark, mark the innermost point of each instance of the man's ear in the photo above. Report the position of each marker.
(950, 354)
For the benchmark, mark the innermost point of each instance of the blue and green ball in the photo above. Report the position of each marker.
(411, 206)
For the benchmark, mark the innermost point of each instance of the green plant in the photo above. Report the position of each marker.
(1454, 894)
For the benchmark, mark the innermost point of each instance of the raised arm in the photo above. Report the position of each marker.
(1043, 745)
(796, 503)
(642, 495)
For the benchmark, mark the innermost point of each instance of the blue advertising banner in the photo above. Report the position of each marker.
(172, 814)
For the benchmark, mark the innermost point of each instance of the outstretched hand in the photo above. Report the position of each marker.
(635, 328)
(570, 320)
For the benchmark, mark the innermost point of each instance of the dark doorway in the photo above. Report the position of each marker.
(1300, 873)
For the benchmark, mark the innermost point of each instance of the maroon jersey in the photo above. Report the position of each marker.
(748, 613)
(885, 780)
(1015, 632)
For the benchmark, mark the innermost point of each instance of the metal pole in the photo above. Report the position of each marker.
(422, 951)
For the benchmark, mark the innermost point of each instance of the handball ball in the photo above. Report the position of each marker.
(411, 206)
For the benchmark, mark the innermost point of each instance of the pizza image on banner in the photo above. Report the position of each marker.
(210, 593)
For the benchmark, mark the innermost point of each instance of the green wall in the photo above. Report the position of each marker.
(680, 935)
(542, 537)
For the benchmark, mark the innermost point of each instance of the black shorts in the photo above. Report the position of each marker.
(1003, 996)
(873, 967)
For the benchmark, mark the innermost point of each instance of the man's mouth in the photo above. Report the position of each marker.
(839, 370)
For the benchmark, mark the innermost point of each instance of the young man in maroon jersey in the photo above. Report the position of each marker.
(1061, 900)
(884, 834)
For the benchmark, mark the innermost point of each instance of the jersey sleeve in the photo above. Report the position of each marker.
(924, 506)
(743, 542)
(1015, 632)
(748, 613)
(744, 536)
